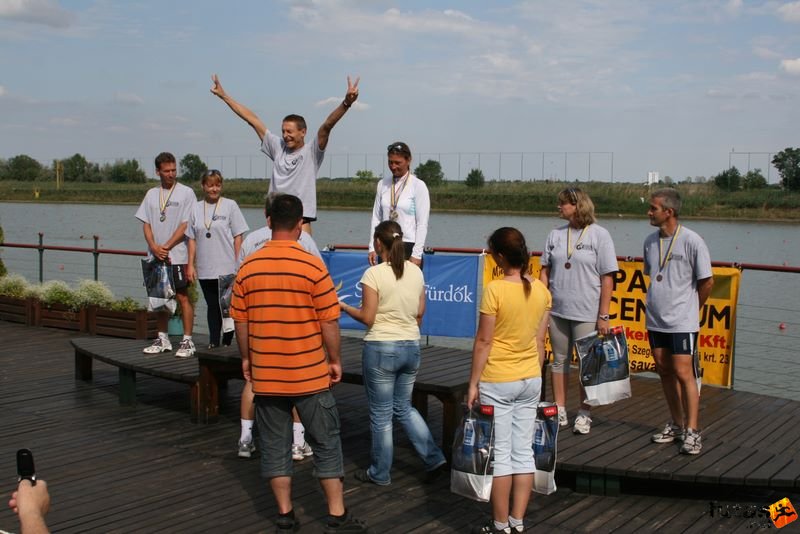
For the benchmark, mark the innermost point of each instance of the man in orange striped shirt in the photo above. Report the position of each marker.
(286, 313)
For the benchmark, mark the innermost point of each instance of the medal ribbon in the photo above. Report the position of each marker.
(662, 261)
(395, 197)
(163, 203)
(209, 223)
(570, 250)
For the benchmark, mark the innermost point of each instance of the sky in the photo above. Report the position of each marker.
(600, 89)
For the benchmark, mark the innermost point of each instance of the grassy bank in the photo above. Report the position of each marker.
(611, 199)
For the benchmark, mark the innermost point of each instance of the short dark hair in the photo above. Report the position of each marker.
(298, 120)
(164, 157)
(399, 147)
(284, 211)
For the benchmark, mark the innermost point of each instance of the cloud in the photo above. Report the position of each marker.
(733, 7)
(790, 12)
(719, 93)
(128, 99)
(44, 12)
(117, 129)
(64, 121)
(765, 53)
(2, 91)
(331, 100)
(791, 66)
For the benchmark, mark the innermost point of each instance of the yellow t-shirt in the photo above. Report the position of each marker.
(398, 302)
(513, 355)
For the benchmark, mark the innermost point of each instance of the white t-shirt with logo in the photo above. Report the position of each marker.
(214, 256)
(673, 304)
(295, 172)
(178, 210)
(576, 291)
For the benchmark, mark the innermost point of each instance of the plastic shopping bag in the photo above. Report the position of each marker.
(159, 285)
(473, 446)
(225, 285)
(545, 441)
(605, 375)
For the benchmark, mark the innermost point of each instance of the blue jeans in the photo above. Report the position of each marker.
(390, 368)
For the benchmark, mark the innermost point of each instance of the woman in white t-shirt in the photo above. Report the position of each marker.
(392, 306)
(578, 266)
(403, 198)
(215, 236)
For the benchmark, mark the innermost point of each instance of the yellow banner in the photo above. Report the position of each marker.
(717, 319)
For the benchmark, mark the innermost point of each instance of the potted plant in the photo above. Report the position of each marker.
(58, 306)
(16, 304)
(176, 321)
(106, 316)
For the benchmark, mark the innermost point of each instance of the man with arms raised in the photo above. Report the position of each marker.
(283, 287)
(679, 265)
(295, 163)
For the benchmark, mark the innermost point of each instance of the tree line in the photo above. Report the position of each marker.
(78, 169)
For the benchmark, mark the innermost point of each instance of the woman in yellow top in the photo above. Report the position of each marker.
(506, 374)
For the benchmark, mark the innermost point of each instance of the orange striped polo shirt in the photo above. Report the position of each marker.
(283, 292)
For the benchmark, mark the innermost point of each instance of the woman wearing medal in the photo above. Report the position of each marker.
(402, 198)
(215, 236)
(578, 266)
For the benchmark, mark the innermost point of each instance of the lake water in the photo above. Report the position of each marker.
(766, 359)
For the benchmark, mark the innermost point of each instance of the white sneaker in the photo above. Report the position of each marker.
(562, 416)
(692, 442)
(301, 451)
(159, 345)
(668, 435)
(185, 349)
(246, 449)
(582, 425)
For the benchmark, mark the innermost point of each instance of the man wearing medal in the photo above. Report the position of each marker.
(165, 213)
(295, 163)
(678, 263)
(403, 198)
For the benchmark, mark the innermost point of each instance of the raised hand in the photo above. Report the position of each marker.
(217, 87)
(352, 92)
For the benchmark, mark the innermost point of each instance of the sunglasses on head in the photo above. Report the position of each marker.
(397, 147)
(573, 196)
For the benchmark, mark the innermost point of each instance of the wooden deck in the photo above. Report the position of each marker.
(147, 468)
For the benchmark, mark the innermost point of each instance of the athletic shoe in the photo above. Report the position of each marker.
(185, 349)
(583, 424)
(668, 435)
(301, 451)
(562, 417)
(518, 528)
(159, 345)
(246, 449)
(692, 442)
(344, 525)
(489, 528)
(287, 523)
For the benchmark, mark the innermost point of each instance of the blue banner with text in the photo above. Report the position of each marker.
(451, 287)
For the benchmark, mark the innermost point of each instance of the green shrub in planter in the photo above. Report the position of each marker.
(58, 292)
(14, 286)
(128, 304)
(94, 293)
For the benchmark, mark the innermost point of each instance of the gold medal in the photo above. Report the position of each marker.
(664, 258)
(393, 215)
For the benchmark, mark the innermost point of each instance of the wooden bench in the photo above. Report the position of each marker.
(127, 355)
(443, 374)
